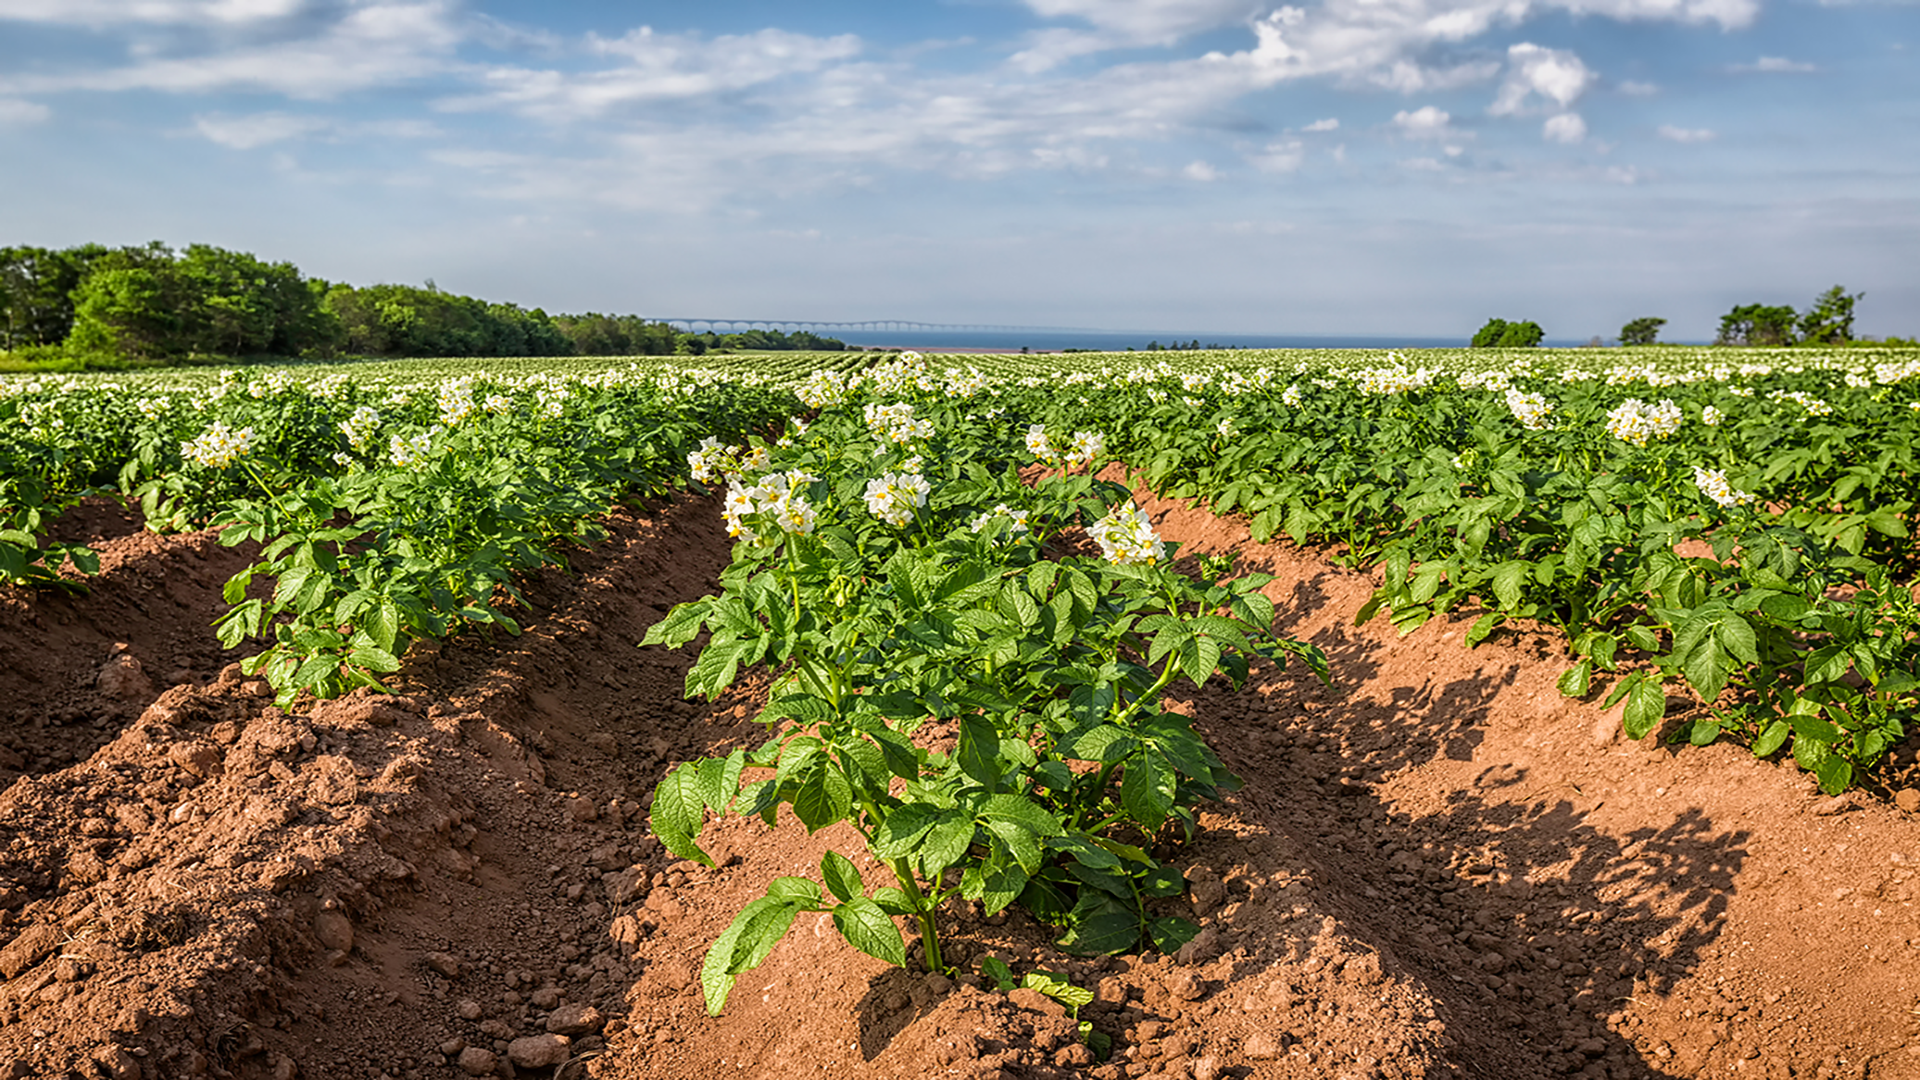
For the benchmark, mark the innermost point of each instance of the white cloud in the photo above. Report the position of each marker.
(370, 45)
(1280, 157)
(660, 67)
(1554, 75)
(1426, 122)
(1775, 65)
(14, 112)
(263, 129)
(1684, 135)
(1564, 128)
(260, 129)
(1632, 88)
(1201, 171)
(1329, 124)
(1151, 20)
(161, 12)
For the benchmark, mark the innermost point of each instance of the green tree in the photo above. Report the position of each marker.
(36, 292)
(125, 311)
(1501, 334)
(1756, 324)
(1522, 335)
(1641, 331)
(1830, 320)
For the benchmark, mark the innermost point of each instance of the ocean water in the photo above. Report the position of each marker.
(1119, 341)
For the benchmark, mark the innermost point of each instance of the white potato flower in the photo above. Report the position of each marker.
(1127, 538)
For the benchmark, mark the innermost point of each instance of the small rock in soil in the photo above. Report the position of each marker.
(1839, 804)
(1261, 1046)
(446, 964)
(334, 930)
(475, 1061)
(539, 1051)
(575, 1020)
(1907, 799)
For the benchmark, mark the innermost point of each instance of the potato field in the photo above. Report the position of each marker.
(1451, 713)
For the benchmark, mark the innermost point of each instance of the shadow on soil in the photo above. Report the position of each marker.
(1534, 927)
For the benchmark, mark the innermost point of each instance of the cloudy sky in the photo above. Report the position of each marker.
(1237, 166)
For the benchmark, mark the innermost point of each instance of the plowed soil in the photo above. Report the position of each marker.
(1437, 868)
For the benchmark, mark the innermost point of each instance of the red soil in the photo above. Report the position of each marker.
(1437, 868)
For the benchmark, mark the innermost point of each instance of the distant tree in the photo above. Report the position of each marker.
(125, 311)
(1501, 334)
(1641, 331)
(36, 292)
(1756, 324)
(1830, 320)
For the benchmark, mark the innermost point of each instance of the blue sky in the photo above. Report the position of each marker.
(1354, 167)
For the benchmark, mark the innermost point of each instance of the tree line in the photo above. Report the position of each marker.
(155, 304)
(1827, 321)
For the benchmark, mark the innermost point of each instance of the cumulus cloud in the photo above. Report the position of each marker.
(1201, 171)
(1534, 71)
(1329, 124)
(14, 112)
(1426, 122)
(1564, 128)
(1684, 135)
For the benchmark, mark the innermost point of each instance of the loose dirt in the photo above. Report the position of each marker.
(1437, 867)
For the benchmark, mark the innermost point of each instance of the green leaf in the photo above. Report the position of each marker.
(1020, 811)
(679, 813)
(1646, 707)
(1100, 923)
(1171, 932)
(978, 752)
(1481, 628)
(945, 843)
(996, 969)
(716, 978)
(1771, 739)
(1146, 788)
(842, 877)
(374, 658)
(822, 795)
(1576, 680)
(1509, 578)
(1058, 988)
(795, 890)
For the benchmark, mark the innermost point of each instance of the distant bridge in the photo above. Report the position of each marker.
(788, 326)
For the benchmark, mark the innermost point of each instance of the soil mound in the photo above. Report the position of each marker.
(1437, 867)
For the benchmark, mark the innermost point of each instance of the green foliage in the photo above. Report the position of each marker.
(405, 320)
(1501, 334)
(1830, 320)
(1641, 331)
(1062, 766)
(1756, 324)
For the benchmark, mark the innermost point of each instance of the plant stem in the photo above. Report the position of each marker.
(923, 910)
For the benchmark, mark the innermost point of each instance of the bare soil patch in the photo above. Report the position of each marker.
(1437, 867)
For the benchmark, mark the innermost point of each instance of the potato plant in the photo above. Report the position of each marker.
(982, 708)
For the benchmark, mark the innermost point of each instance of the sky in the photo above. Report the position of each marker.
(1342, 167)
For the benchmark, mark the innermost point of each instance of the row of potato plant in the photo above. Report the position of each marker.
(1745, 535)
(977, 697)
(386, 512)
